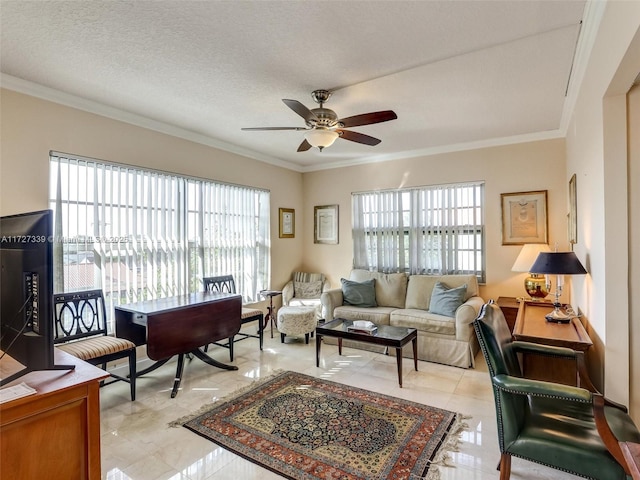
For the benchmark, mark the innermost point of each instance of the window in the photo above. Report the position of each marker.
(428, 230)
(140, 234)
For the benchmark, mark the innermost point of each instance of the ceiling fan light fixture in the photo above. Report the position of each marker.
(321, 137)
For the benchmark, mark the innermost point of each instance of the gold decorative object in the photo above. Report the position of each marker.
(534, 284)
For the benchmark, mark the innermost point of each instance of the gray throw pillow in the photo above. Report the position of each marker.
(359, 294)
(445, 301)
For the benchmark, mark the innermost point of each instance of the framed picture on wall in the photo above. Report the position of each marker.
(524, 217)
(287, 222)
(325, 224)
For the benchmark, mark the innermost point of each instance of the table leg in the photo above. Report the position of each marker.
(318, 342)
(339, 346)
(399, 360)
(269, 319)
(156, 365)
(207, 359)
(178, 377)
(415, 353)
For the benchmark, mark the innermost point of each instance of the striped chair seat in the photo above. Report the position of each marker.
(96, 347)
(251, 313)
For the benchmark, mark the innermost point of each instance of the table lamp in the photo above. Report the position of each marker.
(558, 264)
(534, 284)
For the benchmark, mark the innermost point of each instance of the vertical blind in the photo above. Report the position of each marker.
(141, 234)
(427, 230)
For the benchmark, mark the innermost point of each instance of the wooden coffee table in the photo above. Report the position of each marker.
(386, 335)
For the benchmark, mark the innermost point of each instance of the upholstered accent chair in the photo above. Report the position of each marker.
(572, 429)
(80, 329)
(304, 290)
(226, 284)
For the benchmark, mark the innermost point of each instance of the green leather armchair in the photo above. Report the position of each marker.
(572, 429)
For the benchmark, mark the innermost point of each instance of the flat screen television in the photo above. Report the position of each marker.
(26, 291)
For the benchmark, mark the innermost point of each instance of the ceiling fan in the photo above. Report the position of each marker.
(324, 126)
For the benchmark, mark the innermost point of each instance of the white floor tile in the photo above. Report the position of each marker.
(138, 444)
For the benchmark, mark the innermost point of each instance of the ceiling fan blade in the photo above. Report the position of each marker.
(358, 137)
(368, 118)
(301, 110)
(304, 146)
(275, 128)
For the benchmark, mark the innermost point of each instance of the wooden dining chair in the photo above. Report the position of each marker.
(226, 284)
(80, 329)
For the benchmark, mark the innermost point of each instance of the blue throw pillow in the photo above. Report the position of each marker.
(359, 294)
(445, 301)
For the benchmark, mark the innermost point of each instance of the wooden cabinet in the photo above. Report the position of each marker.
(54, 433)
(531, 326)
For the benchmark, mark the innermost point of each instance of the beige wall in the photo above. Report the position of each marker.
(634, 250)
(597, 154)
(513, 168)
(31, 127)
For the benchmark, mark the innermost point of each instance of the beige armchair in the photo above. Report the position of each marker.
(304, 290)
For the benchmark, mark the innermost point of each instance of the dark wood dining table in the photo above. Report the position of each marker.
(180, 325)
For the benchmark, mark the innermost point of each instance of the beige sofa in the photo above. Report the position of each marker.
(403, 300)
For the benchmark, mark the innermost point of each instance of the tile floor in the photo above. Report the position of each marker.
(138, 444)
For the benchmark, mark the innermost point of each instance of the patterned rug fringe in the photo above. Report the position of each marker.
(451, 443)
(236, 393)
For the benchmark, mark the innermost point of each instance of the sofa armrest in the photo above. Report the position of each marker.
(287, 293)
(465, 315)
(330, 300)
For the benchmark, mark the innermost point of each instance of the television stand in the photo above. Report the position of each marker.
(11, 369)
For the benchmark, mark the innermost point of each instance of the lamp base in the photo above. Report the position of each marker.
(536, 287)
(558, 316)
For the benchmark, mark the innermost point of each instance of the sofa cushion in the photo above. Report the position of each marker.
(420, 288)
(391, 288)
(377, 315)
(359, 294)
(307, 289)
(445, 300)
(423, 321)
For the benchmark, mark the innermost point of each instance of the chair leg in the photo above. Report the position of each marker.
(505, 466)
(282, 338)
(103, 366)
(306, 338)
(132, 373)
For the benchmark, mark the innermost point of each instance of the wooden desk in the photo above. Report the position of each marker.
(54, 433)
(180, 325)
(531, 326)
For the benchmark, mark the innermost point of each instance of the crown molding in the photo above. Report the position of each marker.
(52, 95)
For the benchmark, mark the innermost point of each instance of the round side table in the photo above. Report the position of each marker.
(270, 318)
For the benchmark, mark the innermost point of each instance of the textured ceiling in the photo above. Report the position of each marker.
(457, 73)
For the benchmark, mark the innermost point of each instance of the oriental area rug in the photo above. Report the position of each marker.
(303, 427)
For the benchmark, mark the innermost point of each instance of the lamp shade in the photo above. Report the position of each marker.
(321, 137)
(558, 263)
(528, 255)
